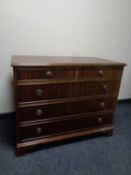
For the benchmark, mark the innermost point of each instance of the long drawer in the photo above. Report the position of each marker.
(66, 90)
(55, 110)
(61, 126)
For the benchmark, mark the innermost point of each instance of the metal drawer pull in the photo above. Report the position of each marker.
(102, 104)
(39, 130)
(105, 87)
(48, 73)
(39, 112)
(99, 120)
(39, 92)
(101, 72)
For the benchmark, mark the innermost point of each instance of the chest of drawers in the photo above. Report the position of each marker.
(60, 98)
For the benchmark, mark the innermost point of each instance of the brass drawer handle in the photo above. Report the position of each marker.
(99, 120)
(48, 73)
(39, 92)
(105, 87)
(102, 104)
(101, 72)
(39, 112)
(39, 130)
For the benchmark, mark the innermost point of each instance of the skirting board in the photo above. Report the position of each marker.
(7, 115)
(121, 101)
(12, 114)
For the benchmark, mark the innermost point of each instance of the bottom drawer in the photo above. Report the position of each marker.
(32, 131)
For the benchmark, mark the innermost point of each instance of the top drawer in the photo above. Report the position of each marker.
(68, 73)
(99, 72)
(44, 73)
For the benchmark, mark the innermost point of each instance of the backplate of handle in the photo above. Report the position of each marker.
(39, 92)
(48, 73)
(39, 112)
(99, 120)
(39, 130)
(101, 72)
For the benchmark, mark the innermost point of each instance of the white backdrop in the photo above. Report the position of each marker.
(63, 27)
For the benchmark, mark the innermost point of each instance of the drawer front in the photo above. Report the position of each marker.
(100, 72)
(59, 127)
(115, 72)
(93, 72)
(65, 90)
(64, 109)
(24, 74)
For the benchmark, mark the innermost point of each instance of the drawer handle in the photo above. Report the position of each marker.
(39, 92)
(101, 72)
(48, 73)
(99, 120)
(105, 87)
(102, 104)
(39, 130)
(39, 112)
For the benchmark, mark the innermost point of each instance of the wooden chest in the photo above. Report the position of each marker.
(61, 98)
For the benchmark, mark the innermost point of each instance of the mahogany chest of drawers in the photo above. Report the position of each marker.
(60, 98)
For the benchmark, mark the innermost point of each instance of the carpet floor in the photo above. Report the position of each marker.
(99, 155)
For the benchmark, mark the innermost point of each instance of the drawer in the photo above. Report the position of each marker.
(49, 73)
(100, 72)
(39, 112)
(115, 72)
(58, 127)
(57, 91)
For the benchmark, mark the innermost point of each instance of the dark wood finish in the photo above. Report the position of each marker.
(100, 71)
(45, 74)
(49, 129)
(63, 109)
(60, 61)
(66, 90)
(76, 134)
(70, 73)
(61, 98)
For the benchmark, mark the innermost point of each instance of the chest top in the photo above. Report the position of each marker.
(21, 60)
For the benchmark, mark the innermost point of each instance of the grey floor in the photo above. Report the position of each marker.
(92, 156)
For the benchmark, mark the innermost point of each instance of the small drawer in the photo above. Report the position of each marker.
(93, 72)
(48, 73)
(115, 72)
(100, 72)
(62, 109)
(66, 90)
(62, 126)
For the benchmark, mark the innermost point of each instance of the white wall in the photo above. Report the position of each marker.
(63, 27)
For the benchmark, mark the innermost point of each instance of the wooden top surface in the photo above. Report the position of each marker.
(23, 60)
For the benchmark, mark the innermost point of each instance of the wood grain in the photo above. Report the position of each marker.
(57, 61)
(60, 98)
(62, 126)
(58, 91)
(58, 110)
